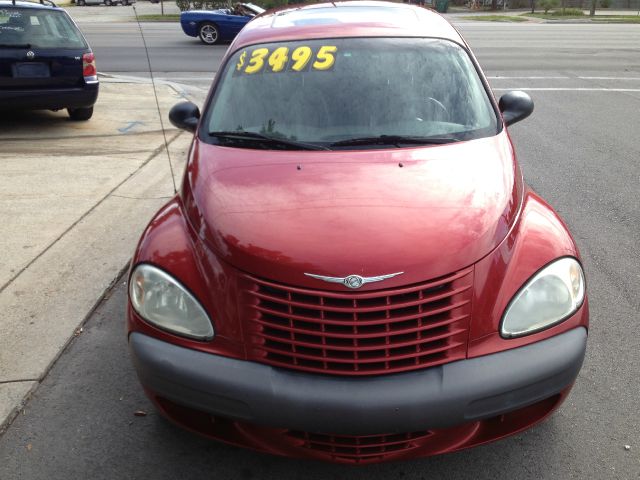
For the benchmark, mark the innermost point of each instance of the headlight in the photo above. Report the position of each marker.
(550, 296)
(162, 301)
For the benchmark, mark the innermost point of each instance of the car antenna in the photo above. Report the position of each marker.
(155, 94)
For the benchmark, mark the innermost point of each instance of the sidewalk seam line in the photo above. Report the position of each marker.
(153, 155)
(105, 135)
(5, 382)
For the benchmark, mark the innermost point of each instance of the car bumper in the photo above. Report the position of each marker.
(435, 398)
(49, 99)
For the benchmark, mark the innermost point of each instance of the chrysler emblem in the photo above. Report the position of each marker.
(30, 55)
(353, 281)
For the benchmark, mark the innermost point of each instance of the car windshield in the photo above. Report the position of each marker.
(346, 93)
(253, 9)
(38, 28)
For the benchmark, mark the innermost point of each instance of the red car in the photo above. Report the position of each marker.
(354, 269)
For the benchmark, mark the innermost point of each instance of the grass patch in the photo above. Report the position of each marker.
(496, 18)
(169, 17)
(597, 18)
(557, 15)
(616, 19)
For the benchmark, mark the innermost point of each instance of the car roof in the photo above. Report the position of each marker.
(17, 3)
(346, 19)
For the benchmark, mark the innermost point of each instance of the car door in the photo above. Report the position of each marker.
(234, 24)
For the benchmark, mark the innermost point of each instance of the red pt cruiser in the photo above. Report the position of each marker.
(354, 269)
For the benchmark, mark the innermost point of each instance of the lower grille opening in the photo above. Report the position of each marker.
(357, 448)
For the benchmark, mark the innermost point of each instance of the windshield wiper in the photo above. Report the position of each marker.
(259, 137)
(393, 140)
(15, 45)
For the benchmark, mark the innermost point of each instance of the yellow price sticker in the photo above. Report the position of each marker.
(241, 60)
(278, 59)
(300, 57)
(282, 59)
(257, 60)
(325, 58)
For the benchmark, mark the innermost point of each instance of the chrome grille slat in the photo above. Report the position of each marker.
(364, 348)
(380, 308)
(369, 335)
(355, 359)
(360, 322)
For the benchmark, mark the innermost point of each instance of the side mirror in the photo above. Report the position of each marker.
(185, 115)
(515, 106)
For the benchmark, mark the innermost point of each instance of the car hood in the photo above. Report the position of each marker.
(426, 212)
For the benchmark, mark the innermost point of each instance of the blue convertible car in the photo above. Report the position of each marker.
(215, 26)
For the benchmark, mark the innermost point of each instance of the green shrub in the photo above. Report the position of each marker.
(605, 3)
(183, 5)
(197, 4)
(568, 12)
(214, 5)
(274, 3)
(547, 5)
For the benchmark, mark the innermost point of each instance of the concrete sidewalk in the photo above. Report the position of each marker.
(74, 198)
(102, 13)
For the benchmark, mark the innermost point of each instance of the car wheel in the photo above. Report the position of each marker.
(208, 33)
(80, 113)
(108, 3)
(125, 3)
(80, 3)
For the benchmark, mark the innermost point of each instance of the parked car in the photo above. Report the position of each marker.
(216, 26)
(45, 62)
(354, 269)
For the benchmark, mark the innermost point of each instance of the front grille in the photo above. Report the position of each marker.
(359, 333)
(357, 448)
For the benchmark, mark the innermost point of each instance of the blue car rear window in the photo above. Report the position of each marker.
(38, 28)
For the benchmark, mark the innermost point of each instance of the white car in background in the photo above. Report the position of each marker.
(108, 3)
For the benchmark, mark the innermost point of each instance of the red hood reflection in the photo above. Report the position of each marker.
(423, 211)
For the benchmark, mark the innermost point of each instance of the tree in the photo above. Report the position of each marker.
(592, 12)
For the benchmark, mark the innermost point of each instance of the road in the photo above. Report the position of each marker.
(579, 150)
(502, 49)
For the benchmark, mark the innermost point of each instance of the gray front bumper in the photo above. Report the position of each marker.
(437, 397)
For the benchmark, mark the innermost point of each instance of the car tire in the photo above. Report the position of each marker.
(80, 3)
(125, 3)
(108, 3)
(208, 33)
(80, 114)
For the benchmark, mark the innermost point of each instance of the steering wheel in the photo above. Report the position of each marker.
(437, 109)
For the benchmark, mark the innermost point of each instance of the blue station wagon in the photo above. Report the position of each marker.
(45, 61)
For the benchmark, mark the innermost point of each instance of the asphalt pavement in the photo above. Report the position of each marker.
(555, 55)
(579, 150)
(90, 420)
